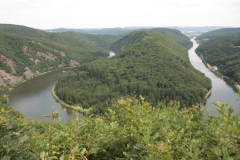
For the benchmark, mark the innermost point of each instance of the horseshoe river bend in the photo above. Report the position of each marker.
(34, 98)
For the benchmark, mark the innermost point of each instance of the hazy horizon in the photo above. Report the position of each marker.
(85, 14)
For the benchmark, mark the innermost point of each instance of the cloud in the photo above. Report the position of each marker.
(115, 13)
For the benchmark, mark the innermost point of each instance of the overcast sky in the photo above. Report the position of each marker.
(48, 14)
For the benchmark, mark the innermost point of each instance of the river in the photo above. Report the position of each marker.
(221, 91)
(34, 98)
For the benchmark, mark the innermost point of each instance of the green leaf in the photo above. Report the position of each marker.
(93, 150)
(23, 139)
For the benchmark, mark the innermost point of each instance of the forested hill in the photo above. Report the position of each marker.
(129, 39)
(154, 66)
(223, 52)
(218, 33)
(84, 41)
(25, 51)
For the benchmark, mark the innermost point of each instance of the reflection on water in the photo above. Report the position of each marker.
(34, 98)
(221, 91)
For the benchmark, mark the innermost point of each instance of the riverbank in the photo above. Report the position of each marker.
(60, 101)
(12, 87)
(208, 94)
(218, 74)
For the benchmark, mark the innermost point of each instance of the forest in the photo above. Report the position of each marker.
(152, 64)
(217, 33)
(41, 51)
(23, 52)
(223, 52)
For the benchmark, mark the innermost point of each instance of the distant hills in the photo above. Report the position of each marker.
(126, 30)
(152, 63)
(218, 33)
(104, 31)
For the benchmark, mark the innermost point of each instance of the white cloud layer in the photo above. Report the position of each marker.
(46, 14)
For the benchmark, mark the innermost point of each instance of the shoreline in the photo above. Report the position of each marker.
(60, 101)
(218, 74)
(13, 86)
(208, 94)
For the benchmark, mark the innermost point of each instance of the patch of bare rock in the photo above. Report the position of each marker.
(7, 78)
(9, 62)
(73, 63)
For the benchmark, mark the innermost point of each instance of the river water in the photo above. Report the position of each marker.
(34, 98)
(221, 91)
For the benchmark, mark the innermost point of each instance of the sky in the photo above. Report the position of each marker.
(49, 14)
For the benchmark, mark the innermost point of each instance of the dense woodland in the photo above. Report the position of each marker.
(130, 39)
(223, 52)
(41, 51)
(152, 65)
(218, 33)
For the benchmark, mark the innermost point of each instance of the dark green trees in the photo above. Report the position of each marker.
(223, 52)
(152, 65)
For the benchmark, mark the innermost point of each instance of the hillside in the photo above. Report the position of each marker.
(66, 38)
(223, 52)
(26, 51)
(129, 39)
(218, 33)
(154, 66)
(103, 41)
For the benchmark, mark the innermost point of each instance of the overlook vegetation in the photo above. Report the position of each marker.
(223, 52)
(218, 33)
(152, 65)
(129, 130)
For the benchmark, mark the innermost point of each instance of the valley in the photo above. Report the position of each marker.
(141, 103)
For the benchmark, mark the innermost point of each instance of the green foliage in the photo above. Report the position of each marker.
(136, 36)
(176, 35)
(131, 129)
(223, 52)
(103, 41)
(154, 66)
(15, 39)
(5, 67)
(218, 33)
